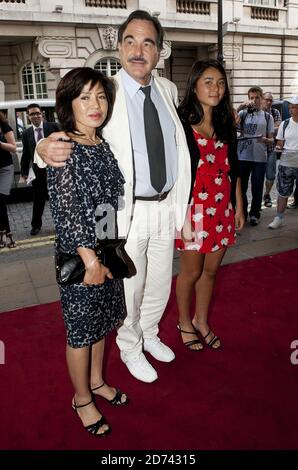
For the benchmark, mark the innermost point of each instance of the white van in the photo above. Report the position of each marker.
(15, 112)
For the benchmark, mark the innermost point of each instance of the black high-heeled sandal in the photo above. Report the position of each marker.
(116, 400)
(12, 243)
(189, 344)
(93, 428)
(2, 242)
(211, 342)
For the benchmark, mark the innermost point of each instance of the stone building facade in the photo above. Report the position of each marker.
(41, 40)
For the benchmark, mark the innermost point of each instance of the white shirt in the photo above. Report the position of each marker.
(135, 103)
(289, 156)
(254, 124)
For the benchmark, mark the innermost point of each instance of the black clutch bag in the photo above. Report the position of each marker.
(70, 269)
(113, 255)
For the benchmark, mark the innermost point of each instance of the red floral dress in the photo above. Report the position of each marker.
(211, 212)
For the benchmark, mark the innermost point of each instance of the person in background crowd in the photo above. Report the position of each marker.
(209, 123)
(31, 136)
(89, 181)
(7, 146)
(294, 204)
(147, 138)
(20, 124)
(287, 141)
(257, 128)
(271, 159)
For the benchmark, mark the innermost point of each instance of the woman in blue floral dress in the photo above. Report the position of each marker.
(89, 182)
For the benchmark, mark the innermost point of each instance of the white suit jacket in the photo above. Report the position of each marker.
(117, 134)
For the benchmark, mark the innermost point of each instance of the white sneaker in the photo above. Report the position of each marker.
(158, 350)
(139, 367)
(276, 223)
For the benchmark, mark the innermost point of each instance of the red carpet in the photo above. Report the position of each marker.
(242, 397)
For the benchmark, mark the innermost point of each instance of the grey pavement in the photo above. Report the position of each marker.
(27, 272)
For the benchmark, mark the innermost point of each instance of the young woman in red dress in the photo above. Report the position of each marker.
(215, 210)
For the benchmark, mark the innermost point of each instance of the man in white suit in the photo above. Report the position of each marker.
(150, 215)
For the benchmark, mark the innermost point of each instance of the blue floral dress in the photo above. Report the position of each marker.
(90, 180)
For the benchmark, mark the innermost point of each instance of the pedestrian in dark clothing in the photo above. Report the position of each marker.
(7, 145)
(31, 136)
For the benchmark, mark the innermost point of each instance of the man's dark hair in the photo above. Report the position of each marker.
(144, 16)
(32, 105)
(71, 86)
(190, 110)
(255, 89)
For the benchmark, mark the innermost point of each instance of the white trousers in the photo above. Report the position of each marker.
(150, 245)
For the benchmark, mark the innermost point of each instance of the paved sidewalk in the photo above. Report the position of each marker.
(20, 220)
(27, 272)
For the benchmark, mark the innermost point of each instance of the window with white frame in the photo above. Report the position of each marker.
(108, 66)
(265, 3)
(34, 81)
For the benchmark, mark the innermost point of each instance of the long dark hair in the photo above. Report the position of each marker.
(3, 119)
(191, 111)
(70, 87)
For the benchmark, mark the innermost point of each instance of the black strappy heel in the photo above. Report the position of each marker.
(2, 242)
(11, 243)
(212, 340)
(116, 400)
(210, 343)
(188, 344)
(93, 428)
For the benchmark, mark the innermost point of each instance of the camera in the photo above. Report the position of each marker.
(251, 108)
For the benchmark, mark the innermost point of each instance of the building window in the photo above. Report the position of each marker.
(108, 66)
(265, 3)
(12, 1)
(34, 81)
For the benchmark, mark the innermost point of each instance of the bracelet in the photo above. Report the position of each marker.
(89, 265)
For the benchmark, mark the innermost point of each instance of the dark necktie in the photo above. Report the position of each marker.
(39, 133)
(155, 143)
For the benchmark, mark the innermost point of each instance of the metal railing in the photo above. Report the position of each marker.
(194, 7)
(268, 14)
(106, 3)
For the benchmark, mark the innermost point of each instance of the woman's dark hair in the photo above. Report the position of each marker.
(71, 86)
(190, 109)
(3, 119)
(145, 16)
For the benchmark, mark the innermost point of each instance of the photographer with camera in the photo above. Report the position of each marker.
(257, 130)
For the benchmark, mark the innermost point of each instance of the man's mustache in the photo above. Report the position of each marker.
(137, 59)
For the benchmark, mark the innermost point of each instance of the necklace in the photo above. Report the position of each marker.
(95, 141)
